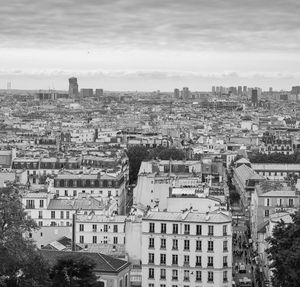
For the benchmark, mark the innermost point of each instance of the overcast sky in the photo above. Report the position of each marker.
(150, 44)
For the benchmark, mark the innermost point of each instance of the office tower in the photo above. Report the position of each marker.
(86, 93)
(8, 86)
(73, 88)
(99, 93)
(240, 91)
(296, 90)
(185, 93)
(176, 93)
(244, 90)
(254, 97)
(213, 89)
(270, 90)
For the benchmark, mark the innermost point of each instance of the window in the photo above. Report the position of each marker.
(150, 284)
(81, 227)
(52, 214)
(225, 278)
(94, 227)
(163, 228)
(186, 229)
(198, 245)
(41, 203)
(94, 239)
(210, 246)
(163, 243)
(225, 246)
(66, 193)
(115, 228)
(115, 239)
(163, 259)
(210, 230)
(151, 242)
(198, 229)
(74, 192)
(224, 230)
(61, 215)
(210, 261)
(81, 239)
(186, 275)
(67, 214)
(30, 204)
(175, 228)
(175, 259)
(151, 258)
(162, 273)
(174, 274)
(40, 214)
(210, 276)
(151, 273)
(225, 264)
(151, 227)
(198, 261)
(186, 260)
(105, 228)
(41, 223)
(186, 244)
(267, 213)
(175, 244)
(198, 276)
(291, 202)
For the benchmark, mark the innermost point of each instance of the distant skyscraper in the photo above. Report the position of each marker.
(296, 90)
(185, 93)
(240, 90)
(254, 97)
(270, 90)
(73, 88)
(99, 93)
(176, 93)
(213, 89)
(9, 86)
(86, 93)
(245, 90)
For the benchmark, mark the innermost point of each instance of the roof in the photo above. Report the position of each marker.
(78, 203)
(101, 218)
(212, 217)
(245, 172)
(104, 263)
(280, 193)
(276, 166)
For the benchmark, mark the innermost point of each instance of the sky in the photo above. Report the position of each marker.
(149, 44)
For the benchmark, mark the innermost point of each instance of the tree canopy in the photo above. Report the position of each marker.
(137, 154)
(74, 271)
(275, 158)
(20, 262)
(284, 253)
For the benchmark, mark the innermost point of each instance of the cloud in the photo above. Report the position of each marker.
(169, 24)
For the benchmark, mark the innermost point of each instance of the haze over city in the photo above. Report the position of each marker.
(150, 45)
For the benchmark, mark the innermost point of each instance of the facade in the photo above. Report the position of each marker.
(186, 249)
(73, 88)
(176, 93)
(86, 93)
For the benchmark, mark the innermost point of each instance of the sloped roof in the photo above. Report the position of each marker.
(79, 203)
(244, 173)
(104, 263)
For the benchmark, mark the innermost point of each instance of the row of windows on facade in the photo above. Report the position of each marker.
(186, 275)
(186, 245)
(175, 229)
(186, 260)
(31, 205)
(279, 202)
(105, 240)
(87, 183)
(106, 227)
(68, 193)
(277, 173)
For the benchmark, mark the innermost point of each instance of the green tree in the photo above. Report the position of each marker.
(74, 270)
(20, 262)
(284, 253)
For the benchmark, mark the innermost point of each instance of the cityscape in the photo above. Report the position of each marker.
(149, 144)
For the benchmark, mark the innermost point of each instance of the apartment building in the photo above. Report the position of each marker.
(100, 229)
(186, 249)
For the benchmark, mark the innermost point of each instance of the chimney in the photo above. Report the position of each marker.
(74, 232)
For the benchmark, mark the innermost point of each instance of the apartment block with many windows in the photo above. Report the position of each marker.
(187, 249)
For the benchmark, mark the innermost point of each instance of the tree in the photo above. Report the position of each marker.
(74, 270)
(284, 253)
(20, 262)
(136, 154)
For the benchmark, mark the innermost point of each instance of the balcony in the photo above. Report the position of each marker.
(210, 265)
(225, 264)
(186, 278)
(174, 278)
